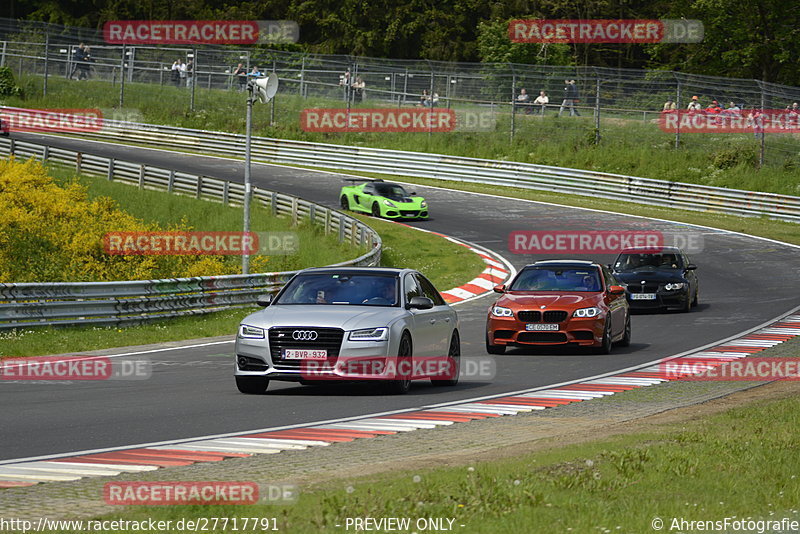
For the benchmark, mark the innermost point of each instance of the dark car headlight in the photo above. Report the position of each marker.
(674, 286)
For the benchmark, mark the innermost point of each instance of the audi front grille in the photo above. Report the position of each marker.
(302, 337)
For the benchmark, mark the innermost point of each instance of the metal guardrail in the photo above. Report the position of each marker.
(661, 193)
(37, 304)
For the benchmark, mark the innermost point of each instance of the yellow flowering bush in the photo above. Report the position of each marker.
(54, 233)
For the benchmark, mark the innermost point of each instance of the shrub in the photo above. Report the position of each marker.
(8, 86)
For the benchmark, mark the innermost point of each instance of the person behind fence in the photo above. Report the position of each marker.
(359, 86)
(176, 73)
(669, 107)
(694, 106)
(523, 100)
(423, 99)
(241, 76)
(85, 64)
(794, 109)
(541, 101)
(77, 58)
(190, 73)
(182, 74)
(254, 73)
(571, 96)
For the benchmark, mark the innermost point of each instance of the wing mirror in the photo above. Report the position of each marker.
(419, 303)
(616, 290)
(500, 289)
(264, 300)
(691, 267)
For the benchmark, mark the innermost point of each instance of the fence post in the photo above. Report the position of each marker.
(678, 109)
(272, 103)
(513, 102)
(45, 153)
(3, 55)
(294, 211)
(274, 204)
(193, 79)
(433, 103)
(199, 191)
(763, 147)
(141, 176)
(225, 192)
(405, 87)
(312, 214)
(78, 159)
(110, 174)
(171, 182)
(597, 112)
(302, 76)
(341, 228)
(46, 61)
(122, 78)
(328, 221)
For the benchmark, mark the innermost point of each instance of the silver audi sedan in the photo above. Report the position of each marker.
(351, 324)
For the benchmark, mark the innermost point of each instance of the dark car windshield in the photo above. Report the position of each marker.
(391, 191)
(557, 279)
(341, 288)
(648, 261)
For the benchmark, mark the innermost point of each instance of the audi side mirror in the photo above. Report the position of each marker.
(691, 267)
(500, 288)
(616, 290)
(419, 303)
(264, 300)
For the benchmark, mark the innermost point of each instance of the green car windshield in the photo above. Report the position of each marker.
(390, 191)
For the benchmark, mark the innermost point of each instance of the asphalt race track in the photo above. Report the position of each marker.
(744, 282)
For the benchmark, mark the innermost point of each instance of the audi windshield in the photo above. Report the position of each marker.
(341, 288)
(557, 279)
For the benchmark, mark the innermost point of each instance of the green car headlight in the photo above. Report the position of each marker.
(388, 203)
(423, 204)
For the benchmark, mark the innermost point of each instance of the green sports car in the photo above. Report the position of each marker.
(383, 199)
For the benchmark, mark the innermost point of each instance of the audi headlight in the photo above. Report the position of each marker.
(673, 286)
(370, 334)
(587, 312)
(388, 203)
(499, 311)
(251, 332)
(423, 204)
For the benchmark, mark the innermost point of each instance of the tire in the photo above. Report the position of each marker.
(688, 306)
(402, 385)
(696, 299)
(252, 385)
(345, 202)
(376, 210)
(494, 349)
(626, 339)
(454, 359)
(605, 347)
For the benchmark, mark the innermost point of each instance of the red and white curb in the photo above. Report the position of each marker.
(497, 271)
(111, 462)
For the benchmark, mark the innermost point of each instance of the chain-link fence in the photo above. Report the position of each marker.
(603, 105)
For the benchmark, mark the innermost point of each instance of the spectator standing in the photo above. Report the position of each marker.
(571, 96)
(176, 73)
(424, 98)
(190, 73)
(794, 109)
(85, 64)
(77, 59)
(694, 106)
(241, 76)
(181, 74)
(359, 86)
(542, 100)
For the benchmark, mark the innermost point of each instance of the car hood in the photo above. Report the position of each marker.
(535, 300)
(664, 275)
(407, 201)
(323, 315)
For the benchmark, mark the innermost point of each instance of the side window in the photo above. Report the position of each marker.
(429, 291)
(609, 278)
(369, 189)
(410, 287)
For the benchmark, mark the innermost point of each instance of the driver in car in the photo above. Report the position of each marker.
(383, 295)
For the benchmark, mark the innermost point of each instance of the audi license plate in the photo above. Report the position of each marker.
(537, 326)
(304, 354)
(643, 296)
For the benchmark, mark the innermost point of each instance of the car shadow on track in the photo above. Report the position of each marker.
(362, 389)
(571, 351)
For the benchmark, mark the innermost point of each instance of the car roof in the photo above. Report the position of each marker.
(650, 250)
(566, 263)
(378, 271)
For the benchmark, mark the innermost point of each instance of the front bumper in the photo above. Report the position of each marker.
(510, 331)
(402, 213)
(665, 300)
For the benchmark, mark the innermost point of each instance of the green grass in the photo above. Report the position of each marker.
(445, 263)
(738, 463)
(628, 145)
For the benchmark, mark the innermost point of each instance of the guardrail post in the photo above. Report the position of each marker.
(12, 148)
(110, 173)
(328, 221)
(273, 201)
(341, 228)
(225, 192)
(45, 153)
(312, 214)
(294, 211)
(141, 176)
(171, 181)
(199, 186)
(353, 232)
(78, 159)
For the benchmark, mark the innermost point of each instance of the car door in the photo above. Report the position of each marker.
(616, 304)
(441, 317)
(363, 195)
(423, 321)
